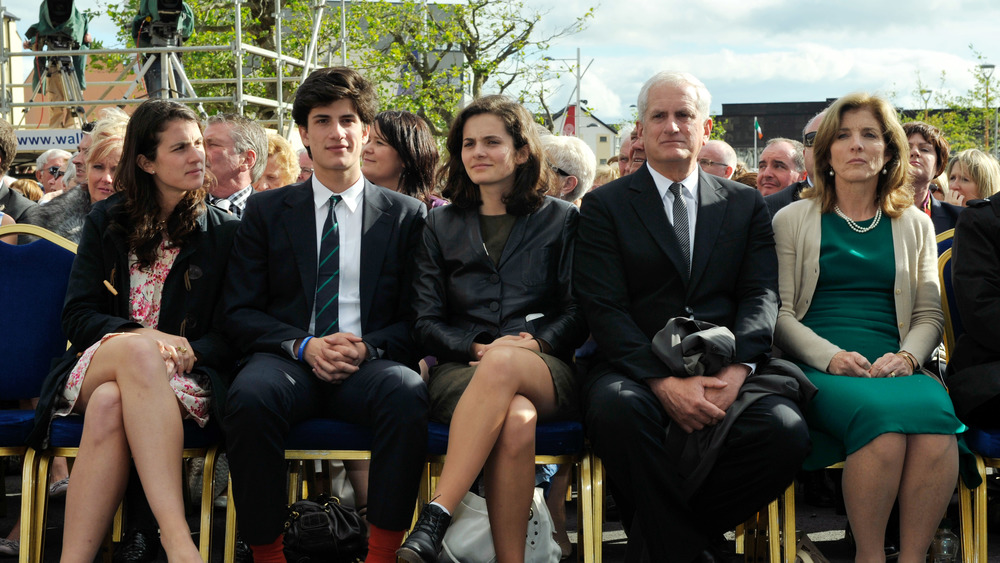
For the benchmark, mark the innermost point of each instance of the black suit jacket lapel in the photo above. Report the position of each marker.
(648, 205)
(376, 232)
(299, 220)
(711, 212)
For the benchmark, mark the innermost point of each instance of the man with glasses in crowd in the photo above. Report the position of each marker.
(718, 159)
(47, 167)
(792, 193)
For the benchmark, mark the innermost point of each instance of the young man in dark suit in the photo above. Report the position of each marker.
(11, 201)
(317, 299)
(673, 241)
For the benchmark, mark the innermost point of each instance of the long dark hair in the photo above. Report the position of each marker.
(410, 136)
(142, 210)
(532, 180)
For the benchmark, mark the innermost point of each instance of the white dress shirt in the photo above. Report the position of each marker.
(349, 222)
(690, 193)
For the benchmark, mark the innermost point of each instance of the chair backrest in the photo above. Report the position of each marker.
(33, 280)
(944, 240)
(952, 320)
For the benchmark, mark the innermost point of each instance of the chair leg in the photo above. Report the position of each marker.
(230, 552)
(28, 472)
(587, 540)
(980, 519)
(966, 509)
(597, 494)
(773, 532)
(207, 507)
(788, 535)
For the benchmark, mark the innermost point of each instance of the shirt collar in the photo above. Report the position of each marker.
(663, 183)
(352, 195)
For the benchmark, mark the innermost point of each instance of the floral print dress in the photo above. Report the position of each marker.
(145, 292)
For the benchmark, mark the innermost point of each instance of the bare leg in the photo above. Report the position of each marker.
(503, 373)
(871, 481)
(557, 507)
(99, 478)
(510, 480)
(151, 418)
(929, 476)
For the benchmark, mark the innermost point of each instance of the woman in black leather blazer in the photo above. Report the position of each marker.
(141, 311)
(494, 304)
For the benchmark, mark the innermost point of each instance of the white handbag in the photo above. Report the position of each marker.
(468, 538)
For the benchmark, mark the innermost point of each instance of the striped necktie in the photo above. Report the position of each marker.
(328, 276)
(681, 227)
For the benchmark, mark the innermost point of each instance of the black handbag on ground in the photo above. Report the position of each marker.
(324, 530)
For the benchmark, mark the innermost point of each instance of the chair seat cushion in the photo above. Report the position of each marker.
(984, 442)
(328, 434)
(15, 426)
(67, 431)
(552, 438)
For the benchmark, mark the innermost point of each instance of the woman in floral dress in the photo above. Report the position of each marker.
(142, 312)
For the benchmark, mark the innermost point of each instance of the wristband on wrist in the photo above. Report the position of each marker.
(302, 348)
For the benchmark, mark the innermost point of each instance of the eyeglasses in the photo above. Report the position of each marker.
(706, 162)
(808, 139)
(54, 170)
(561, 172)
(58, 173)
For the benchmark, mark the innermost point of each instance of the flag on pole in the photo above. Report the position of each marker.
(569, 126)
(757, 129)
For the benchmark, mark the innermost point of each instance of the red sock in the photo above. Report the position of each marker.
(382, 544)
(270, 552)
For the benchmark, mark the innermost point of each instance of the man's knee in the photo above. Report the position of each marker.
(402, 388)
(618, 406)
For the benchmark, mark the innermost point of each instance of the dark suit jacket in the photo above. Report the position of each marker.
(271, 283)
(976, 278)
(462, 298)
(190, 302)
(13, 203)
(787, 195)
(944, 215)
(630, 277)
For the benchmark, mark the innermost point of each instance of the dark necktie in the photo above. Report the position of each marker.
(681, 223)
(328, 276)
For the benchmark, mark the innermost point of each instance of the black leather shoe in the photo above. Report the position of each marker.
(424, 542)
(138, 546)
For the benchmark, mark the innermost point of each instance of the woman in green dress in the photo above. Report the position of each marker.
(860, 313)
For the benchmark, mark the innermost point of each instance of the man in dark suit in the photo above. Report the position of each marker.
(318, 300)
(11, 201)
(671, 240)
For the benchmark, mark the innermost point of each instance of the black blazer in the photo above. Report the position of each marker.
(190, 302)
(271, 282)
(13, 203)
(785, 196)
(976, 279)
(462, 298)
(630, 277)
(944, 215)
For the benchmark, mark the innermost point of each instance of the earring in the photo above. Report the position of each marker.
(830, 172)
(885, 170)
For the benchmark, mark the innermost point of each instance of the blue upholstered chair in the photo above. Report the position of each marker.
(944, 240)
(312, 439)
(33, 280)
(555, 442)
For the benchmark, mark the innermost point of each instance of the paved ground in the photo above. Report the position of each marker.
(823, 526)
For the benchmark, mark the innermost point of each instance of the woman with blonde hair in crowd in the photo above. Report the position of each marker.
(973, 174)
(28, 188)
(282, 164)
(860, 313)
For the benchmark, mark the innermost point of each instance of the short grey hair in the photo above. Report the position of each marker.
(573, 156)
(247, 135)
(797, 147)
(69, 178)
(728, 153)
(49, 155)
(703, 99)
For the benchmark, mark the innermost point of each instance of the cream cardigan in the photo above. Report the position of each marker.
(797, 236)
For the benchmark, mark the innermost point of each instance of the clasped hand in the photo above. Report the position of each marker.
(853, 364)
(335, 357)
(699, 401)
(175, 350)
(521, 340)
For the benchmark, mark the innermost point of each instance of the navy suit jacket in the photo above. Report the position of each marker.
(271, 282)
(944, 215)
(630, 276)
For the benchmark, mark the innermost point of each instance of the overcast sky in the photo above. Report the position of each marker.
(757, 50)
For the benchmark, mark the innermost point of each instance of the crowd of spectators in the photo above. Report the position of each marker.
(224, 278)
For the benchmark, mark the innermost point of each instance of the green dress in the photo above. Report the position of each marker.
(854, 308)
